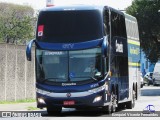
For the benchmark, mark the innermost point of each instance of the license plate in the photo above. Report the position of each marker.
(68, 102)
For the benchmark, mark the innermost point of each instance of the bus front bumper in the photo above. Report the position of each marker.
(92, 100)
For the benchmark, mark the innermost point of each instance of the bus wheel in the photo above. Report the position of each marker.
(131, 103)
(112, 105)
(114, 102)
(107, 109)
(121, 106)
(54, 110)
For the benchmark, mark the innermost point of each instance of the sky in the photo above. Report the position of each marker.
(39, 4)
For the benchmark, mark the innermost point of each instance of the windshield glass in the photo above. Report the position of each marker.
(68, 66)
(85, 64)
(51, 65)
(69, 26)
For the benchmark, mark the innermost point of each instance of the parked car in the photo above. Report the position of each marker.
(156, 74)
(141, 80)
(148, 79)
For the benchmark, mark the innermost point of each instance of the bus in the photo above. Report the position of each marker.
(86, 57)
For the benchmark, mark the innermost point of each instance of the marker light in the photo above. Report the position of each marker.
(106, 88)
(40, 100)
(98, 98)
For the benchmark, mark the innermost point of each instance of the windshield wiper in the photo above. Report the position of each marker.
(94, 78)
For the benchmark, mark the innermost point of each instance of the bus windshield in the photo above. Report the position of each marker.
(68, 66)
(69, 26)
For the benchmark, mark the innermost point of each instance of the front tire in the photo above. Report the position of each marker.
(107, 109)
(121, 106)
(131, 104)
(54, 110)
(112, 105)
(154, 82)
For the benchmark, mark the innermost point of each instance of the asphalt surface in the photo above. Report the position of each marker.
(150, 95)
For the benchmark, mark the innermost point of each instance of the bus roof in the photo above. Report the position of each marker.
(83, 7)
(73, 7)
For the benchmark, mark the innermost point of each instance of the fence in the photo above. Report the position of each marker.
(17, 75)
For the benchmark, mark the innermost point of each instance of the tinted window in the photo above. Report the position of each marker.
(106, 22)
(69, 26)
(68, 66)
(118, 25)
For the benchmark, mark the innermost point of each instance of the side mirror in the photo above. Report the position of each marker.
(104, 47)
(29, 50)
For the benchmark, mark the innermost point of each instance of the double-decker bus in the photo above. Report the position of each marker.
(86, 56)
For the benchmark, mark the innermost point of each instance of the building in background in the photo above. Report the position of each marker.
(146, 65)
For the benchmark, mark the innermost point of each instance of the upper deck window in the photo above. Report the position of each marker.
(69, 26)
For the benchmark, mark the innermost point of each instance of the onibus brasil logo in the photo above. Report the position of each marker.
(149, 109)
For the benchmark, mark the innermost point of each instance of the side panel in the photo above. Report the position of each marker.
(119, 66)
(119, 56)
(134, 65)
(133, 54)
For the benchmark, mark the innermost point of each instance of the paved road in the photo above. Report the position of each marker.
(150, 95)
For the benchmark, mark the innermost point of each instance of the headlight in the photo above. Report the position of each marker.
(40, 100)
(96, 99)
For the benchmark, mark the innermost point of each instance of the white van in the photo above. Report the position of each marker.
(156, 74)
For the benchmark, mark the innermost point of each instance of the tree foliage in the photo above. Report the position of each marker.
(148, 17)
(16, 23)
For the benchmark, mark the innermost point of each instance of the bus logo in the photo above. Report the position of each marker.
(119, 47)
(68, 94)
(68, 84)
(67, 46)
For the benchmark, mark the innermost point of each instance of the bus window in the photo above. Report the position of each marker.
(70, 26)
(118, 25)
(106, 22)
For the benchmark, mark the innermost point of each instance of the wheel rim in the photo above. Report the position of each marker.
(133, 99)
(114, 102)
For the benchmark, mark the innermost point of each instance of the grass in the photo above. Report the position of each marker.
(32, 108)
(18, 101)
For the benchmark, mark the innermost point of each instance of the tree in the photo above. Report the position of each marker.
(148, 17)
(16, 23)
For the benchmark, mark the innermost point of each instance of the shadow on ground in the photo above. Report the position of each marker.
(83, 113)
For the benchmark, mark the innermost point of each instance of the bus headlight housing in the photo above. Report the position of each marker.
(97, 99)
(41, 100)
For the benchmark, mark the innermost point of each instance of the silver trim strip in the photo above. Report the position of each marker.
(73, 94)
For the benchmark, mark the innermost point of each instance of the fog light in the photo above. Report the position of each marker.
(40, 100)
(98, 98)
